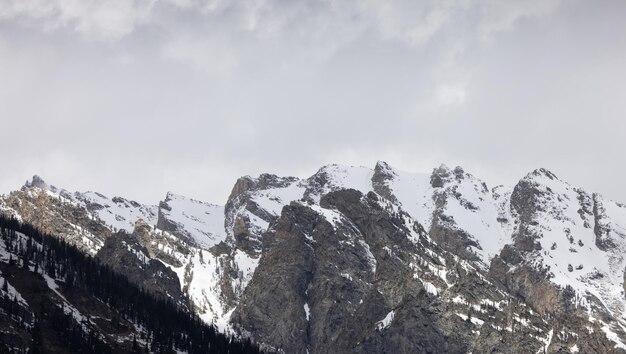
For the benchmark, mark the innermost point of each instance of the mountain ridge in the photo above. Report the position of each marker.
(519, 240)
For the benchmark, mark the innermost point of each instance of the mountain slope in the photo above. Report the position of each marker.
(65, 301)
(563, 235)
(200, 223)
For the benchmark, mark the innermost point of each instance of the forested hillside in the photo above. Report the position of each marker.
(57, 299)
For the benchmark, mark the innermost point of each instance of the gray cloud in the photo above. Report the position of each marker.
(140, 97)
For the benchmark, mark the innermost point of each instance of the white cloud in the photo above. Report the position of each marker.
(209, 55)
(97, 19)
(451, 94)
(500, 16)
(412, 22)
(217, 37)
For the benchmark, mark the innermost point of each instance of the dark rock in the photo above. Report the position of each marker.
(382, 175)
(439, 176)
(245, 238)
(601, 229)
(126, 254)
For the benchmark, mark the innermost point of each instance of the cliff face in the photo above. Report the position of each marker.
(357, 275)
(354, 259)
(129, 254)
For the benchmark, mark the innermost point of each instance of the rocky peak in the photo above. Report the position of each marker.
(541, 192)
(164, 206)
(536, 189)
(534, 196)
(249, 209)
(440, 176)
(383, 174)
(315, 183)
(568, 237)
(459, 173)
(243, 185)
(38, 182)
(56, 216)
(267, 181)
(383, 169)
(542, 173)
(247, 184)
(336, 177)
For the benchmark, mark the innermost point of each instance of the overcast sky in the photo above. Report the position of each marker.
(140, 97)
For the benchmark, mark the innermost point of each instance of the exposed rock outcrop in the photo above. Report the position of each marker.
(126, 254)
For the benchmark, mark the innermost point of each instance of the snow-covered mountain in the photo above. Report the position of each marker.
(355, 258)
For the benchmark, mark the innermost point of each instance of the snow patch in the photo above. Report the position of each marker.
(430, 288)
(203, 222)
(385, 322)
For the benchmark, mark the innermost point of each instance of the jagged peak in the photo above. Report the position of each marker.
(382, 171)
(382, 164)
(268, 180)
(37, 179)
(265, 181)
(383, 174)
(542, 176)
(443, 175)
(36, 182)
(461, 174)
(542, 172)
(242, 185)
(171, 195)
(383, 167)
(440, 176)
